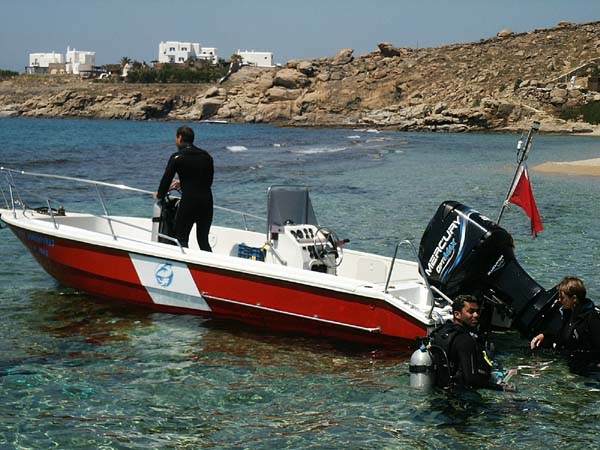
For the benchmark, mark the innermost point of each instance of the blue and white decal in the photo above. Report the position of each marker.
(463, 221)
(168, 283)
(446, 248)
(445, 269)
(164, 274)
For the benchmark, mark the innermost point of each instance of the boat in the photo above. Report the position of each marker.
(215, 121)
(296, 276)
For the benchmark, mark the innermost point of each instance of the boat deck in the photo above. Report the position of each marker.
(361, 272)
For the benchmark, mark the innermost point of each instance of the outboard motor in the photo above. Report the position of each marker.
(463, 252)
(163, 219)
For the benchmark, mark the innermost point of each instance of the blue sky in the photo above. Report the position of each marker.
(301, 29)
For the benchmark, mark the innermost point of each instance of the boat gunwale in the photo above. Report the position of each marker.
(275, 273)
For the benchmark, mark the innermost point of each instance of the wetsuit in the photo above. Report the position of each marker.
(459, 358)
(579, 335)
(195, 169)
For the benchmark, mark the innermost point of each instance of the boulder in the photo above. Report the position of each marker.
(564, 24)
(582, 127)
(503, 34)
(289, 79)
(211, 92)
(209, 107)
(306, 68)
(343, 57)
(439, 108)
(558, 96)
(274, 112)
(278, 94)
(264, 82)
(505, 109)
(388, 50)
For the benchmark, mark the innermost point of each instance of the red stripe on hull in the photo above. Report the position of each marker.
(93, 269)
(303, 300)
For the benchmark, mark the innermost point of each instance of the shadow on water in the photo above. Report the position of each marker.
(73, 324)
(65, 313)
(62, 324)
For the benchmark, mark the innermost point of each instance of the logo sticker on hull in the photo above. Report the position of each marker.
(168, 283)
(164, 274)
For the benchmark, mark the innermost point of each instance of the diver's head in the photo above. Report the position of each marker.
(571, 291)
(466, 309)
(184, 137)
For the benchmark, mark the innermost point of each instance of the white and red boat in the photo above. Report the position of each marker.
(294, 277)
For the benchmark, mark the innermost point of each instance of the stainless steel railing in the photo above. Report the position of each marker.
(15, 200)
(430, 289)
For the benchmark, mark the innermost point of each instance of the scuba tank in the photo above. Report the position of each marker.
(163, 219)
(429, 364)
(421, 369)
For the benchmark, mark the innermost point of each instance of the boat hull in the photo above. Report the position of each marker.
(174, 286)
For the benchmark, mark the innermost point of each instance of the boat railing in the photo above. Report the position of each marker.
(14, 201)
(430, 289)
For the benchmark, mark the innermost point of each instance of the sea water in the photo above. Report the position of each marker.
(76, 372)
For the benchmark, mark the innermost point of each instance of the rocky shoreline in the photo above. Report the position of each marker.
(498, 84)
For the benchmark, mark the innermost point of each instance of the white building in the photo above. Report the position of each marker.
(45, 59)
(39, 62)
(208, 54)
(180, 52)
(257, 59)
(78, 61)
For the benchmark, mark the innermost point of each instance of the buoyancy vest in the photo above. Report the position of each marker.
(447, 372)
(579, 337)
(440, 341)
(575, 333)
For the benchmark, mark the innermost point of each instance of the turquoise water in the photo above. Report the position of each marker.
(79, 373)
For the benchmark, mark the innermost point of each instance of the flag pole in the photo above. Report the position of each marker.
(522, 157)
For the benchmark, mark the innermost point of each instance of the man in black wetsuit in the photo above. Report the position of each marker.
(461, 356)
(579, 335)
(195, 169)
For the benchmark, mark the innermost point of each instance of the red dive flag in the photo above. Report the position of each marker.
(521, 195)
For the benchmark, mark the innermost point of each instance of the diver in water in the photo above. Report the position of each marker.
(579, 334)
(461, 358)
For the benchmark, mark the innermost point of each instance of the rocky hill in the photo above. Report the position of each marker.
(502, 83)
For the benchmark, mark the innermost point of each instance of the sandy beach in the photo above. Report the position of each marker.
(583, 167)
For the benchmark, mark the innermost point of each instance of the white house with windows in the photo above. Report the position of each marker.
(180, 52)
(257, 59)
(40, 62)
(208, 54)
(78, 61)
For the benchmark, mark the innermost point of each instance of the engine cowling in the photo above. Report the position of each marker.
(464, 252)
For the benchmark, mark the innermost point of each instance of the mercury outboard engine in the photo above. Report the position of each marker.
(163, 219)
(463, 252)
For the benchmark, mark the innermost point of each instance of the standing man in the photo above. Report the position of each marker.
(195, 169)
